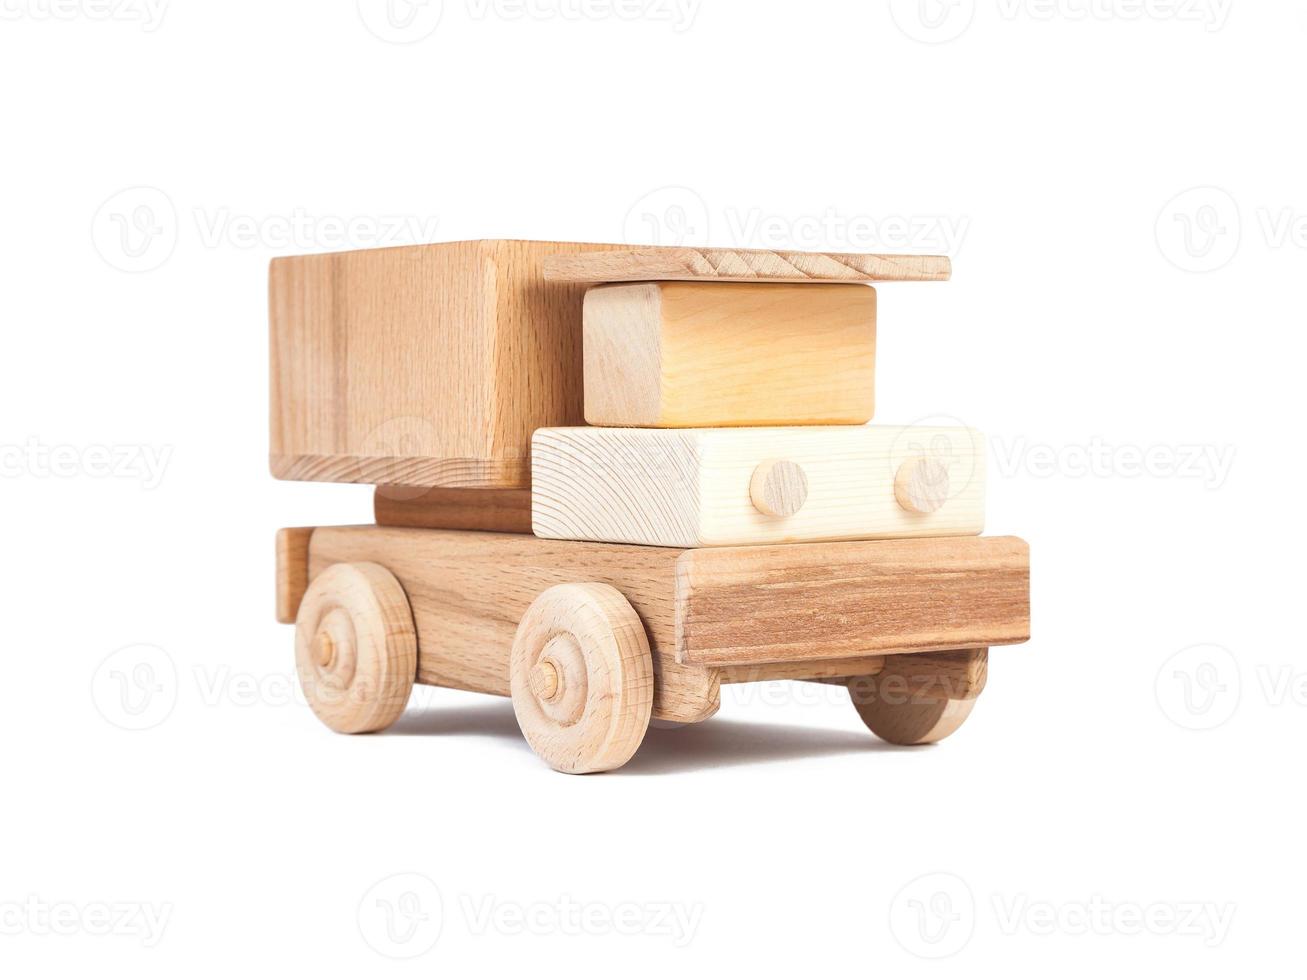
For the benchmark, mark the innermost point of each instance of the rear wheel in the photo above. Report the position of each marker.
(920, 698)
(918, 723)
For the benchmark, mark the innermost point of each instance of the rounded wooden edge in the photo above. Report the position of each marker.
(903, 719)
(921, 485)
(356, 647)
(778, 488)
(585, 647)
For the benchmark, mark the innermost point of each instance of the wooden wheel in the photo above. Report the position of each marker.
(356, 647)
(582, 678)
(919, 699)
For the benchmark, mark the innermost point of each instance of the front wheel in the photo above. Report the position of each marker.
(581, 676)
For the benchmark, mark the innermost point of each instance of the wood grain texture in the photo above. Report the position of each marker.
(582, 678)
(386, 470)
(292, 570)
(468, 510)
(469, 590)
(817, 602)
(778, 488)
(428, 365)
(743, 265)
(684, 354)
(690, 488)
(921, 485)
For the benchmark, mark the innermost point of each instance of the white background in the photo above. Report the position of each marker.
(1087, 818)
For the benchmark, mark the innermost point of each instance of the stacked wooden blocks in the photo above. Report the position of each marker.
(611, 479)
(728, 413)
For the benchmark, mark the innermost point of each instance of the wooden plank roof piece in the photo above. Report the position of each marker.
(662, 263)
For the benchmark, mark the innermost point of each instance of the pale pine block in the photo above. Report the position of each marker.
(692, 488)
(692, 354)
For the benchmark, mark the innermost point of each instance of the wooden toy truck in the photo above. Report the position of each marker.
(727, 515)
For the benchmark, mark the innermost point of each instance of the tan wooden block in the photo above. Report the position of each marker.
(739, 606)
(460, 509)
(424, 366)
(743, 265)
(292, 570)
(431, 365)
(684, 354)
(692, 488)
